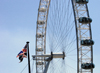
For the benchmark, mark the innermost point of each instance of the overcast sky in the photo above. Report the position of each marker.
(18, 25)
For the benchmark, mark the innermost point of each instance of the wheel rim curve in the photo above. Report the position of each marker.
(76, 11)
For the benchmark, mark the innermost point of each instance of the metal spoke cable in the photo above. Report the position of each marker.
(71, 43)
(59, 12)
(55, 21)
(72, 59)
(70, 67)
(72, 55)
(55, 9)
(57, 24)
(61, 36)
(48, 25)
(57, 37)
(67, 45)
(51, 19)
(67, 12)
(71, 50)
(72, 40)
(57, 67)
(64, 37)
(54, 63)
(64, 66)
(62, 31)
(61, 41)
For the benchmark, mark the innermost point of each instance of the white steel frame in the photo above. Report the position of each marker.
(83, 31)
(41, 42)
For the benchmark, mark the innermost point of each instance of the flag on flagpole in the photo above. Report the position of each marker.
(22, 54)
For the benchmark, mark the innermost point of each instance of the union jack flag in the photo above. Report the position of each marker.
(22, 54)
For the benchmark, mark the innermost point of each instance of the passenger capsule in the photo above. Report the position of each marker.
(85, 20)
(39, 49)
(87, 42)
(82, 1)
(40, 22)
(39, 63)
(39, 35)
(87, 66)
(42, 9)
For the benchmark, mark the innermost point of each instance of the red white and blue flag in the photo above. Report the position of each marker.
(22, 54)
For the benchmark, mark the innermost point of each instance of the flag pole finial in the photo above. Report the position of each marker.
(27, 42)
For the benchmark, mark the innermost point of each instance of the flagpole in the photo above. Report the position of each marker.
(28, 56)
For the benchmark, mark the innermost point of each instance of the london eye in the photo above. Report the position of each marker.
(64, 37)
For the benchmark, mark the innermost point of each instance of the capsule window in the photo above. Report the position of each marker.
(87, 42)
(87, 65)
(42, 9)
(39, 49)
(40, 63)
(40, 22)
(82, 1)
(85, 20)
(39, 35)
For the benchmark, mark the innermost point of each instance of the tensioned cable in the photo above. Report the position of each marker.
(56, 62)
(59, 9)
(68, 51)
(59, 34)
(70, 67)
(71, 51)
(51, 11)
(52, 68)
(57, 17)
(66, 13)
(67, 45)
(70, 44)
(64, 38)
(72, 55)
(65, 35)
(64, 66)
(71, 59)
(56, 31)
(32, 67)
(59, 66)
(25, 67)
(51, 19)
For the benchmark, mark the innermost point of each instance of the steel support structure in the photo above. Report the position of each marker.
(83, 31)
(41, 29)
(47, 59)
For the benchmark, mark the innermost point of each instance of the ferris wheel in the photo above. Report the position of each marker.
(63, 37)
